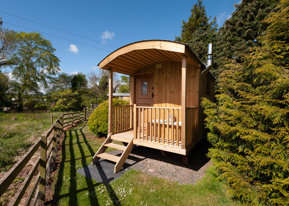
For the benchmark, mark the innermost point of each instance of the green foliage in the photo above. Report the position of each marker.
(98, 120)
(240, 33)
(199, 31)
(66, 100)
(249, 124)
(3, 89)
(60, 82)
(33, 63)
(124, 86)
(78, 81)
(102, 89)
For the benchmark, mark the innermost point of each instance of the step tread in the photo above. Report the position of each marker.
(121, 139)
(116, 146)
(108, 156)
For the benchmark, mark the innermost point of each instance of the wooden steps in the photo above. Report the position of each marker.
(109, 157)
(120, 139)
(116, 146)
(108, 143)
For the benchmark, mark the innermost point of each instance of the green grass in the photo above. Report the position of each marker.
(132, 188)
(17, 132)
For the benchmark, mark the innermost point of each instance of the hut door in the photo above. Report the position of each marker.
(144, 90)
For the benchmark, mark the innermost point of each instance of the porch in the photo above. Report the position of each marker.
(154, 127)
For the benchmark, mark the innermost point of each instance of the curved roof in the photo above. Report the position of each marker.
(131, 57)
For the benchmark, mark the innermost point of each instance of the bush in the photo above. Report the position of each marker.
(98, 120)
(249, 123)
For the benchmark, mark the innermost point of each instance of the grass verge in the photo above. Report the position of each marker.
(132, 188)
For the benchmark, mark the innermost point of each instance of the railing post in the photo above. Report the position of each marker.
(42, 170)
(134, 121)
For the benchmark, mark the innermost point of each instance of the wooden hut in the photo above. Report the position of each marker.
(167, 81)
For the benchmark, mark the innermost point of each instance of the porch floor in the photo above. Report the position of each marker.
(127, 135)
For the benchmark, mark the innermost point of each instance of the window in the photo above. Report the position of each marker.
(144, 88)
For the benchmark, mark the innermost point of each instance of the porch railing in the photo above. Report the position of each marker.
(122, 118)
(159, 125)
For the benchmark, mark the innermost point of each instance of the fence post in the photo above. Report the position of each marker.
(42, 170)
(85, 114)
(51, 117)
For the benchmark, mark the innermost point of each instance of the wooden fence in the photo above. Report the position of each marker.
(47, 146)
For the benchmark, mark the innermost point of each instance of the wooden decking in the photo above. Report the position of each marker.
(128, 135)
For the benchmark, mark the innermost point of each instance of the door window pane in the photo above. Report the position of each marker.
(144, 88)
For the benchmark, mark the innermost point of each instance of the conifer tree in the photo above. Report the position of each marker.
(249, 123)
(198, 31)
(241, 31)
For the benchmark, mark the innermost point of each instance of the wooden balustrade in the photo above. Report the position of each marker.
(47, 146)
(122, 118)
(159, 125)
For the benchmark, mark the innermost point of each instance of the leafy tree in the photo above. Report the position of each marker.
(61, 82)
(240, 33)
(33, 62)
(66, 100)
(3, 89)
(199, 31)
(102, 89)
(124, 84)
(78, 81)
(249, 124)
(7, 44)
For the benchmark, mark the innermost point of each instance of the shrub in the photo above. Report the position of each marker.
(249, 123)
(98, 120)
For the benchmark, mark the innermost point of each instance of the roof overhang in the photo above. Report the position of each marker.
(132, 57)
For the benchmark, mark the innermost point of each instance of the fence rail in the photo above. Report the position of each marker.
(47, 145)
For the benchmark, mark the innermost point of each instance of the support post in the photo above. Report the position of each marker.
(134, 122)
(42, 170)
(110, 90)
(132, 98)
(183, 101)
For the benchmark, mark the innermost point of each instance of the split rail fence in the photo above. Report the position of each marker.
(47, 146)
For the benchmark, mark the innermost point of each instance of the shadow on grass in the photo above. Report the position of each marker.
(68, 145)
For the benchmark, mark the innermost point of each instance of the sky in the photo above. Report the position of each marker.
(83, 32)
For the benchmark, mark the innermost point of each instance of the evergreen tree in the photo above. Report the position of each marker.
(249, 124)
(241, 31)
(198, 31)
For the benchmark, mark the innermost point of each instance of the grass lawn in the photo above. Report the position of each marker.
(132, 188)
(17, 132)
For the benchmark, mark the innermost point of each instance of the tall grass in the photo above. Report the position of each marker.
(17, 132)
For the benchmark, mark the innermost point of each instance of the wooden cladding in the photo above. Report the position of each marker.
(122, 118)
(159, 125)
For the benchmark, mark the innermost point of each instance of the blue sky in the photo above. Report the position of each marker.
(83, 32)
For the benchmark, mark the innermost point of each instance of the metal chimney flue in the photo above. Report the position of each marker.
(210, 55)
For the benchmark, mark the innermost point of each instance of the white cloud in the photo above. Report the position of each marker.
(107, 35)
(74, 73)
(73, 48)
